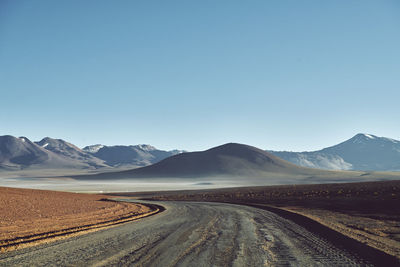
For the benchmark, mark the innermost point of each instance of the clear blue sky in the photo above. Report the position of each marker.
(282, 75)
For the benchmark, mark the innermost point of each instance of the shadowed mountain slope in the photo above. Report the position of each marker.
(16, 153)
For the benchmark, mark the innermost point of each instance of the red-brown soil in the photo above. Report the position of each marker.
(32, 215)
(368, 212)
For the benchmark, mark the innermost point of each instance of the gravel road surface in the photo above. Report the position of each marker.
(191, 234)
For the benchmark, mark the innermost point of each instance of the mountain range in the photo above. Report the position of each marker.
(133, 156)
(364, 152)
(229, 159)
(18, 153)
(234, 163)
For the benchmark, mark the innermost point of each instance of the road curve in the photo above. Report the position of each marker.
(192, 234)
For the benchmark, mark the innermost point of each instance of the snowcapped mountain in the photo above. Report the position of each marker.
(362, 152)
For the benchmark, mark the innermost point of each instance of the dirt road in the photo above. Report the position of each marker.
(192, 234)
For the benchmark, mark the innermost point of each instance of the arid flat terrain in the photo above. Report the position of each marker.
(259, 231)
(368, 212)
(297, 225)
(35, 215)
(195, 234)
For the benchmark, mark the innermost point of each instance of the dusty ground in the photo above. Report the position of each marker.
(29, 215)
(368, 212)
(198, 234)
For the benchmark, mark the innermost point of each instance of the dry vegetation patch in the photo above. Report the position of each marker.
(29, 215)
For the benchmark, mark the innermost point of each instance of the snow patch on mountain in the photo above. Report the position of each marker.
(369, 136)
(176, 151)
(93, 148)
(146, 147)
